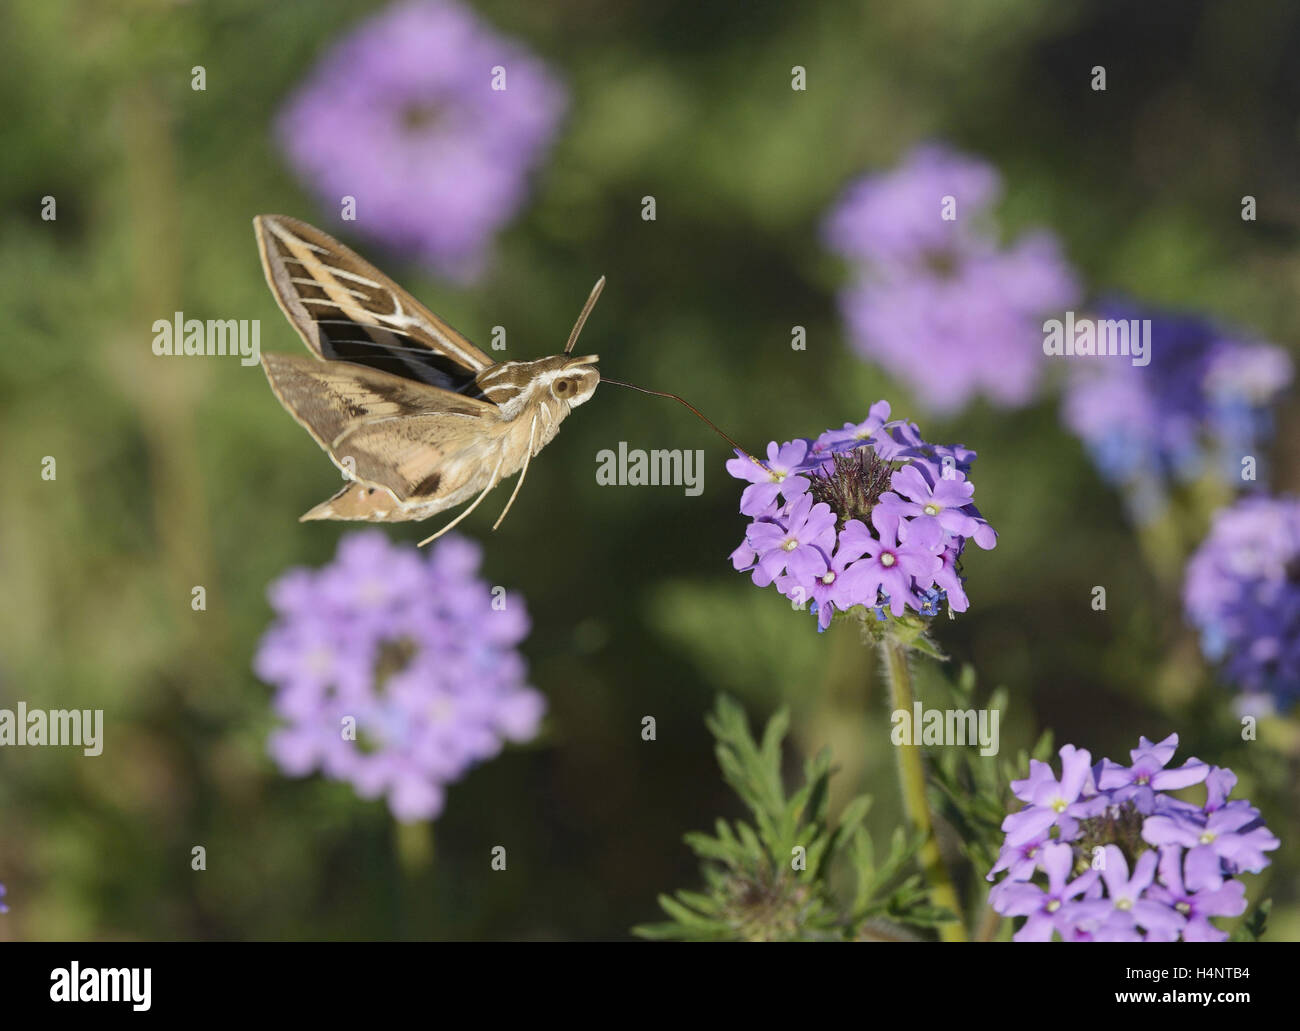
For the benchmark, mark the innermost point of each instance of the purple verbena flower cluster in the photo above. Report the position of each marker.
(1124, 860)
(1242, 592)
(395, 671)
(869, 515)
(1199, 407)
(432, 122)
(936, 299)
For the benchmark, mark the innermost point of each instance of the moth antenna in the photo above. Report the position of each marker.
(586, 310)
(698, 414)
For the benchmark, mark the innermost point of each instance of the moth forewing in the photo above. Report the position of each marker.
(346, 309)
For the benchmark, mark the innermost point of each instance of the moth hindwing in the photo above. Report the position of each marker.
(415, 416)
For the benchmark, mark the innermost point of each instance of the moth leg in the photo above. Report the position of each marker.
(522, 473)
(491, 483)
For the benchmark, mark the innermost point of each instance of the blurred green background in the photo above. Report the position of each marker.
(176, 473)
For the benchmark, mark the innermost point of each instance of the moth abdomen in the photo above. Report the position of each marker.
(356, 501)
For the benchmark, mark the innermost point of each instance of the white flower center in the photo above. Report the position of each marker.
(931, 509)
(829, 578)
(1207, 837)
(887, 559)
(790, 544)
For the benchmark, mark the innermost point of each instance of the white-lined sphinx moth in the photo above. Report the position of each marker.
(418, 419)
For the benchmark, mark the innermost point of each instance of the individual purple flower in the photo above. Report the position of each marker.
(1053, 802)
(1020, 861)
(829, 532)
(1230, 839)
(1129, 909)
(886, 565)
(432, 123)
(937, 505)
(1229, 899)
(1197, 408)
(777, 477)
(936, 299)
(1047, 910)
(396, 672)
(824, 585)
(3, 908)
(1148, 773)
(1166, 865)
(797, 545)
(1242, 593)
(852, 435)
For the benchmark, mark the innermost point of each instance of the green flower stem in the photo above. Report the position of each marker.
(911, 777)
(413, 888)
(414, 846)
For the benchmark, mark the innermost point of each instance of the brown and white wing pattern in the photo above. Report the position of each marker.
(345, 309)
(419, 443)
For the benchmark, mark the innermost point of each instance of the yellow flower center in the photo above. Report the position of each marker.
(790, 545)
(887, 559)
(931, 509)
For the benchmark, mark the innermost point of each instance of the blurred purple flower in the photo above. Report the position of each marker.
(936, 300)
(3, 892)
(1200, 406)
(1242, 592)
(394, 671)
(826, 530)
(1105, 819)
(402, 115)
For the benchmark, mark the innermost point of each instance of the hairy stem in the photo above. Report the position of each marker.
(911, 778)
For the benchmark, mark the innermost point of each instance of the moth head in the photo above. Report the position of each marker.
(575, 380)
